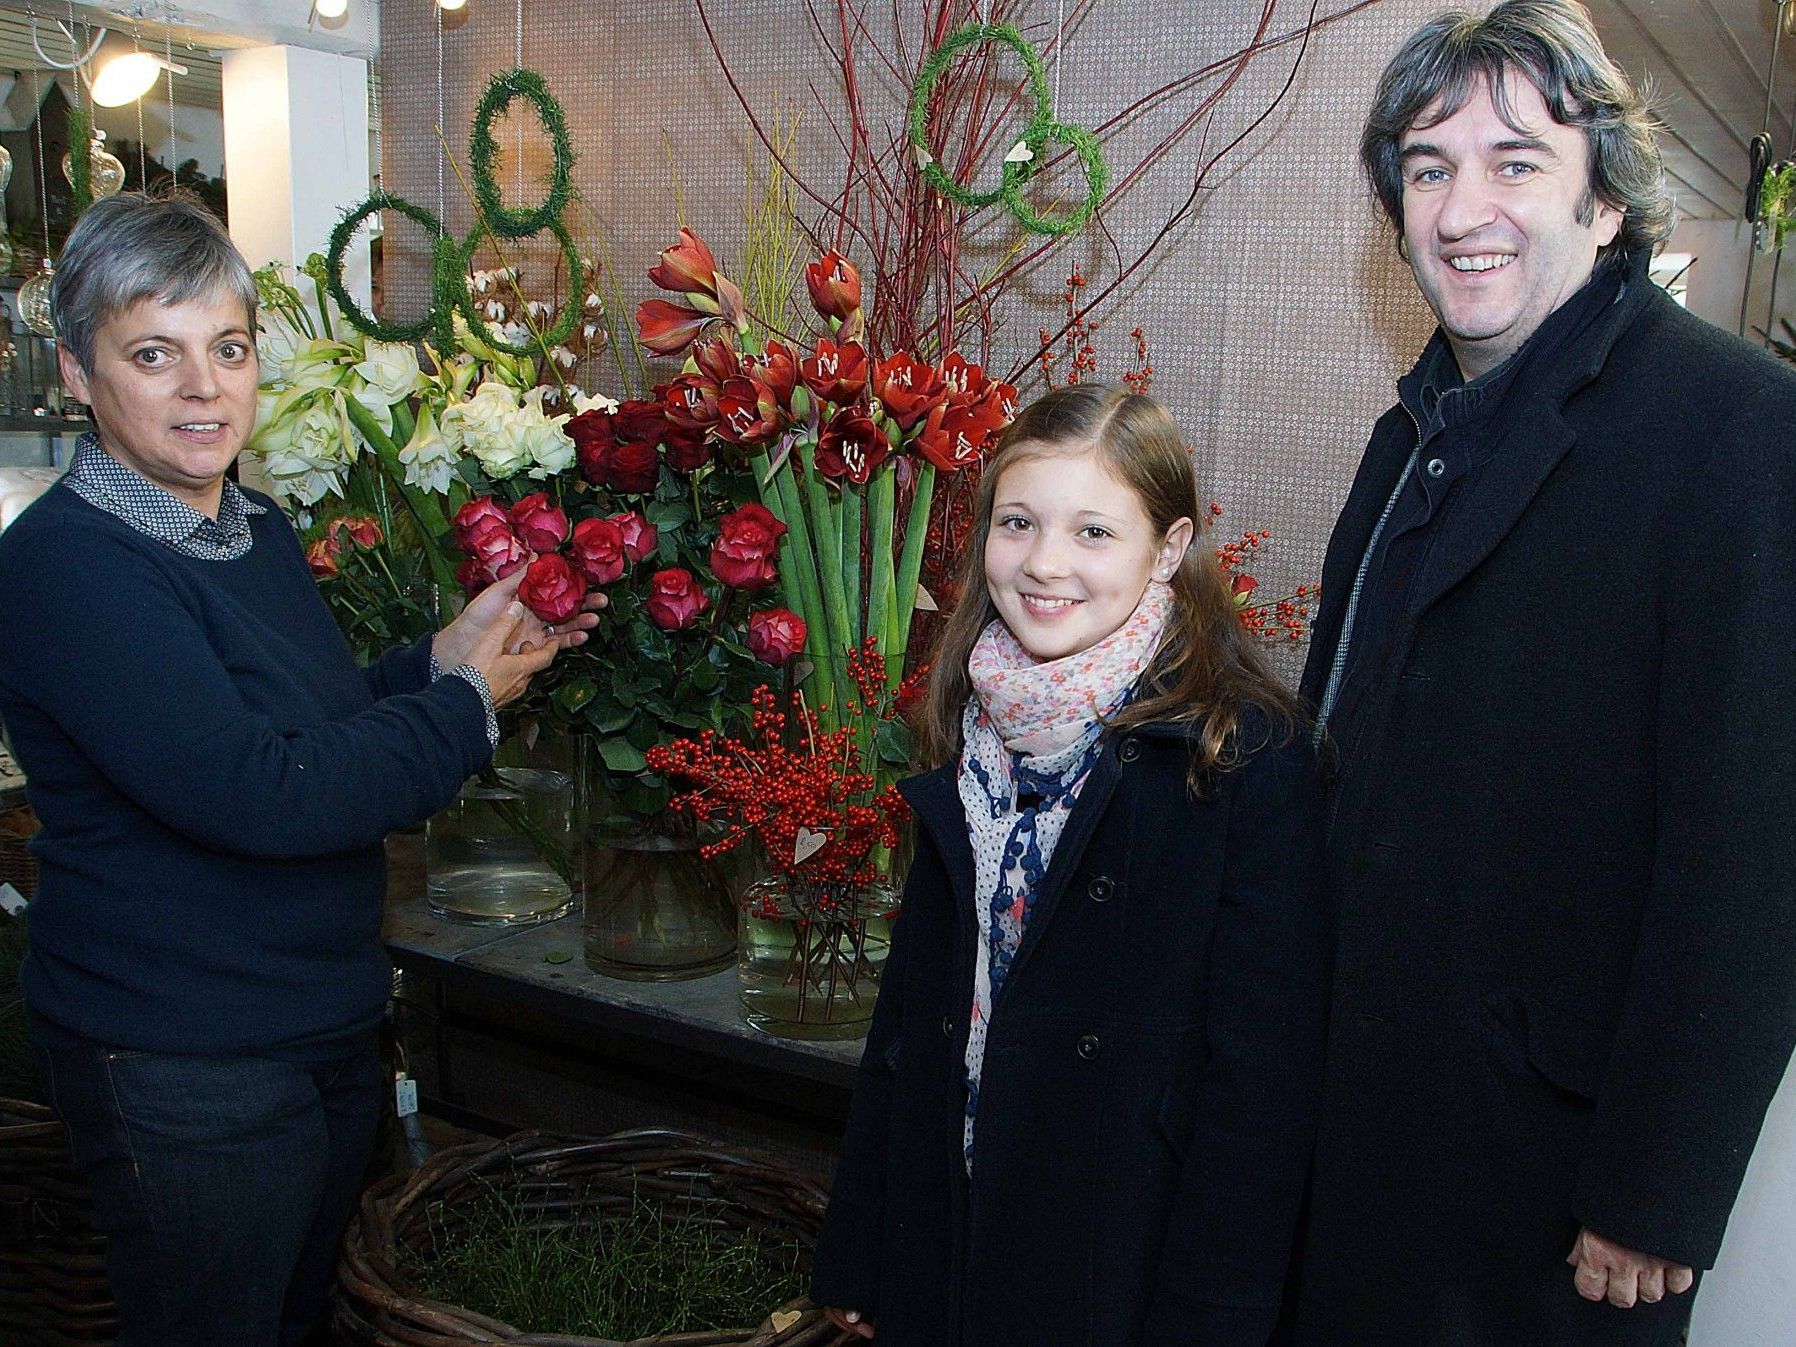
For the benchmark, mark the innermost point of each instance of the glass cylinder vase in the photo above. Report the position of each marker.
(506, 852)
(656, 910)
(811, 955)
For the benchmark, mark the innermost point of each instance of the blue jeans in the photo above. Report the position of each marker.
(222, 1184)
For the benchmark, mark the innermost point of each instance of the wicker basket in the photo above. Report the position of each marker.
(579, 1179)
(53, 1289)
(18, 866)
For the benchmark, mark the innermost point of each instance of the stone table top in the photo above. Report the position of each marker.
(542, 968)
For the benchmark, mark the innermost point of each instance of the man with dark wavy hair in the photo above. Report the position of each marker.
(1559, 833)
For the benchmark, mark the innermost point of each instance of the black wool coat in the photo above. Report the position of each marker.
(1561, 852)
(1148, 1093)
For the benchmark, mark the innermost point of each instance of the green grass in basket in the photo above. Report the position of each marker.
(638, 1274)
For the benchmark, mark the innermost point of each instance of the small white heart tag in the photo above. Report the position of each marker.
(1020, 153)
(807, 845)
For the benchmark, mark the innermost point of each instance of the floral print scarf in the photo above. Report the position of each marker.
(1031, 733)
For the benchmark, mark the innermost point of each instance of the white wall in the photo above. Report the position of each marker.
(1719, 270)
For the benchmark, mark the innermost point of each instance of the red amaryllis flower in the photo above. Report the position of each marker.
(835, 373)
(493, 545)
(687, 266)
(969, 384)
(675, 599)
(638, 535)
(717, 360)
(691, 402)
(748, 413)
(540, 524)
(321, 556)
(473, 512)
(908, 388)
(851, 446)
(597, 550)
(668, 329)
(835, 286)
(632, 468)
(552, 589)
(956, 434)
(777, 367)
(775, 635)
(687, 450)
(748, 539)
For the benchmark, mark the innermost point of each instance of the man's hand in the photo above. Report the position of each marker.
(1609, 1271)
(850, 1321)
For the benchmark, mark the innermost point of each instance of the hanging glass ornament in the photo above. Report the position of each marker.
(5, 167)
(105, 174)
(34, 301)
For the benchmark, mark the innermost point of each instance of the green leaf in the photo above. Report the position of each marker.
(668, 514)
(894, 742)
(557, 956)
(608, 717)
(621, 755)
(571, 696)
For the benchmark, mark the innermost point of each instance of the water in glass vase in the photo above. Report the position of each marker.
(810, 956)
(500, 855)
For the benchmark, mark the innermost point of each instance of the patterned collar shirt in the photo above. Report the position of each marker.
(102, 481)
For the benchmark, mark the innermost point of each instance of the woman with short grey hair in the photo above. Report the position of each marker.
(214, 777)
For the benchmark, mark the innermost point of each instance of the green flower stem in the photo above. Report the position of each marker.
(404, 424)
(884, 488)
(517, 818)
(324, 308)
(910, 573)
(798, 567)
(424, 507)
(835, 606)
(853, 507)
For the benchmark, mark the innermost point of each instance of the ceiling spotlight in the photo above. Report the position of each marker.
(126, 78)
(330, 9)
(452, 4)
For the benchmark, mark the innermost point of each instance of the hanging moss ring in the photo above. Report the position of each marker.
(359, 318)
(517, 222)
(1085, 145)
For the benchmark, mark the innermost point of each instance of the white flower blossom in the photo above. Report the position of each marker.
(428, 456)
(305, 452)
(483, 426)
(542, 437)
(389, 373)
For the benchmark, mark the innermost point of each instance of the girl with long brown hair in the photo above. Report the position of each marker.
(1086, 1102)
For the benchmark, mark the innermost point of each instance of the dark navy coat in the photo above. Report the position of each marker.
(1150, 1074)
(1561, 849)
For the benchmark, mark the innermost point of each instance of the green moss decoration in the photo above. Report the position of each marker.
(450, 260)
(483, 151)
(81, 163)
(1041, 130)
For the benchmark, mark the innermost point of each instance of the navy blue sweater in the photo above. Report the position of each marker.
(214, 776)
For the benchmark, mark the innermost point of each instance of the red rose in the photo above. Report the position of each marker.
(640, 422)
(363, 529)
(1241, 586)
(593, 442)
(552, 589)
(747, 411)
(632, 468)
(674, 600)
(321, 556)
(539, 523)
(597, 550)
(687, 450)
(835, 286)
(908, 388)
(639, 536)
(836, 373)
(472, 577)
(473, 512)
(493, 545)
(744, 555)
(851, 446)
(775, 635)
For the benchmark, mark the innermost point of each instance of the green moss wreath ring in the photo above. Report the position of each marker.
(333, 269)
(1035, 134)
(483, 150)
(571, 311)
(1085, 145)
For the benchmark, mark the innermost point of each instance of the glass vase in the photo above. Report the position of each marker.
(656, 910)
(811, 955)
(505, 853)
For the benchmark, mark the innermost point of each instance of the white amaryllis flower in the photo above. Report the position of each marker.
(483, 426)
(541, 435)
(428, 456)
(388, 373)
(305, 451)
(316, 364)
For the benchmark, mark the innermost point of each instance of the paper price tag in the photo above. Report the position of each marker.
(405, 1096)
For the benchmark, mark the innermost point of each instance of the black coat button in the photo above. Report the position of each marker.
(1129, 751)
(1437, 467)
(1101, 888)
(947, 1026)
(1088, 1047)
